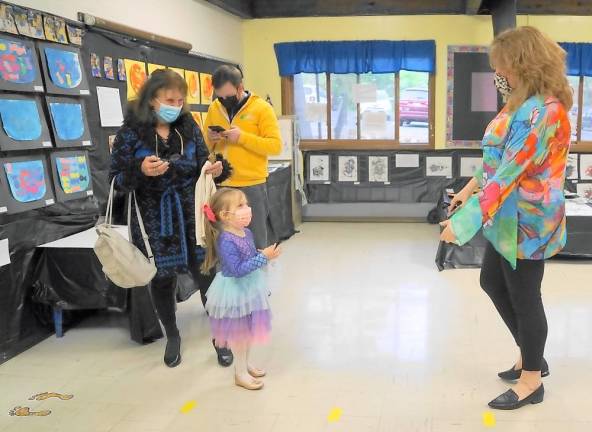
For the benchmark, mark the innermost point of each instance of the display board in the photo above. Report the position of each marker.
(23, 123)
(68, 120)
(71, 175)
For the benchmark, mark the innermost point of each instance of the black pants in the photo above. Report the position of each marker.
(516, 295)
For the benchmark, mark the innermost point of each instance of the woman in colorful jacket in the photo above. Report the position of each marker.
(159, 153)
(521, 206)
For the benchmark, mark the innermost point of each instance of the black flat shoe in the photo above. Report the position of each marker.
(509, 400)
(514, 374)
(172, 352)
(225, 356)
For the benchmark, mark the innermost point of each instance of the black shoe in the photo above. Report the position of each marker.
(514, 374)
(509, 400)
(172, 352)
(225, 357)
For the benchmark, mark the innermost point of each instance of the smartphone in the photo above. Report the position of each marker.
(218, 129)
(278, 243)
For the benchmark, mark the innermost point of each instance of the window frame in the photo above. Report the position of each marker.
(578, 145)
(288, 108)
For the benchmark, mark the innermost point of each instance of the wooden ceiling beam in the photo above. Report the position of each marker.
(472, 7)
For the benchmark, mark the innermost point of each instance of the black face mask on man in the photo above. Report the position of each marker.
(229, 102)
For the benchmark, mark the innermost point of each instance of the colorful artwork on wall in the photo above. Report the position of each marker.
(75, 34)
(207, 88)
(95, 65)
(69, 122)
(72, 177)
(108, 67)
(55, 29)
(19, 69)
(178, 71)
(193, 87)
(28, 23)
(7, 24)
(24, 181)
(136, 76)
(153, 66)
(121, 76)
(23, 123)
(63, 69)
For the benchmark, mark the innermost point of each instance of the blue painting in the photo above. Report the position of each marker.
(26, 180)
(73, 173)
(64, 68)
(20, 119)
(17, 62)
(67, 120)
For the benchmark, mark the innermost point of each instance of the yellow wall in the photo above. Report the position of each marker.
(260, 65)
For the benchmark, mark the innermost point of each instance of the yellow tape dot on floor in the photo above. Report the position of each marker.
(188, 407)
(334, 415)
(488, 419)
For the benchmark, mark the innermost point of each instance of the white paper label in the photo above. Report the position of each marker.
(387, 183)
(47, 144)
(4, 253)
(89, 193)
(574, 181)
(3, 209)
(49, 202)
(327, 183)
(356, 183)
(86, 143)
(84, 92)
(38, 88)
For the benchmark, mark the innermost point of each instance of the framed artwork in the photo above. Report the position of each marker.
(121, 75)
(136, 76)
(19, 68)
(439, 166)
(23, 123)
(193, 87)
(28, 23)
(206, 88)
(75, 34)
(71, 175)
(470, 165)
(179, 71)
(378, 169)
(571, 169)
(319, 169)
(472, 99)
(7, 23)
(348, 169)
(585, 166)
(68, 121)
(153, 66)
(25, 183)
(108, 68)
(63, 70)
(55, 29)
(584, 190)
(95, 65)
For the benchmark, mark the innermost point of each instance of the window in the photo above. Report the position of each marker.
(580, 114)
(362, 111)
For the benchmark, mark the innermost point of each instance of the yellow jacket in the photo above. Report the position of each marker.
(259, 138)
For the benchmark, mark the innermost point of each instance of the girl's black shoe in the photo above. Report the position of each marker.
(225, 356)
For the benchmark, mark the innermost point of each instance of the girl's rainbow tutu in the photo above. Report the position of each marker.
(239, 310)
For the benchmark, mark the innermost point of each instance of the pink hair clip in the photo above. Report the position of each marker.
(209, 213)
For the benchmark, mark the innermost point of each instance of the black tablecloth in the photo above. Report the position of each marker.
(470, 255)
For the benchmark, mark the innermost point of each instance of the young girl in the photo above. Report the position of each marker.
(237, 300)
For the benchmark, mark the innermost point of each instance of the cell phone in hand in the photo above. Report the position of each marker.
(218, 129)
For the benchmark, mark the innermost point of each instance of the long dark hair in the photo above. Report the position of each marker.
(140, 114)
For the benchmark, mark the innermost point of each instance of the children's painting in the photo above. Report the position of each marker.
(26, 180)
(178, 71)
(108, 67)
(193, 87)
(571, 169)
(73, 173)
(153, 67)
(586, 166)
(470, 165)
(20, 119)
(121, 76)
(319, 168)
(68, 120)
(7, 24)
(55, 29)
(348, 168)
(75, 34)
(378, 169)
(64, 67)
(95, 65)
(29, 23)
(136, 76)
(18, 62)
(439, 166)
(207, 88)
(584, 190)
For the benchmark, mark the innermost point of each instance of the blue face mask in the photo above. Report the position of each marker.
(168, 113)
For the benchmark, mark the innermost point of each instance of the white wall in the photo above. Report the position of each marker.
(209, 29)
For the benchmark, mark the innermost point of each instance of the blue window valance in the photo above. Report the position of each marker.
(341, 57)
(579, 58)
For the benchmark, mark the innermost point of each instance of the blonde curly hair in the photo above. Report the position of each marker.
(536, 60)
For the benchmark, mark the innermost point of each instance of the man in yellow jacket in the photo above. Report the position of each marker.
(250, 134)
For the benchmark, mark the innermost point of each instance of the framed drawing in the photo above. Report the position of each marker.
(28, 22)
(585, 166)
(439, 166)
(378, 169)
(71, 175)
(135, 72)
(63, 70)
(207, 88)
(319, 169)
(55, 29)
(470, 165)
(571, 169)
(25, 183)
(584, 190)
(23, 123)
(68, 120)
(19, 68)
(348, 169)
(193, 87)
(7, 24)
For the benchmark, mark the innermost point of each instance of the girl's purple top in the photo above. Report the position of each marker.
(238, 255)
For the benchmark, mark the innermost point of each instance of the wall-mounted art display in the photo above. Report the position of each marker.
(193, 87)
(19, 68)
(178, 71)
(470, 165)
(319, 169)
(63, 70)
(121, 76)
(378, 169)
(348, 169)
(23, 123)
(108, 68)
(7, 24)
(95, 65)
(25, 183)
(439, 166)
(571, 169)
(68, 121)
(136, 76)
(584, 190)
(154, 67)
(207, 88)
(75, 34)
(28, 22)
(71, 175)
(55, 29)
(586, 166)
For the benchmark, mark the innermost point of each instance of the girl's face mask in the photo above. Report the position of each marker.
(242, 217)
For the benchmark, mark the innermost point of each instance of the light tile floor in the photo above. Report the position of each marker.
(363, 322)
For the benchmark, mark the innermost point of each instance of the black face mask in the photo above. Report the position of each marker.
(229, 102)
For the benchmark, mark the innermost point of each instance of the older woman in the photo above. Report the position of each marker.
(521, 206)
(159, 153)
